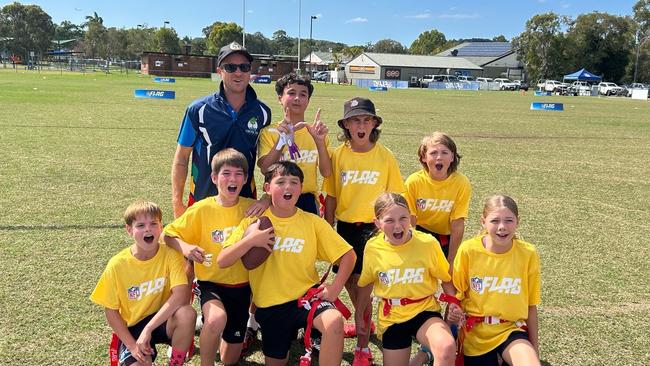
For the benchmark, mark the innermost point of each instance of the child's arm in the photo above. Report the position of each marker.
(346, 265)
(363, 299)
(259, 206)
(454, 312)
(119, 327)
(257, 238)
(179, 176)
(178, 298)
(533, 327)
(457, 232)
(330, 209)
(189, 251)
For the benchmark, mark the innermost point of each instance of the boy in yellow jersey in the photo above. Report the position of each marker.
(144, 292)
(311, 140)
(497, 277)
(199, 234)
(439, 195)
(362, 169)
(298, 240)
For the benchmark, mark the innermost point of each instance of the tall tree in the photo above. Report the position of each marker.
(388, 46)
(28, 27)
(140, 40)
(428, 43)
(258, 43)
(541, 46)
(95, 38)
(282, 44)
(352, 51)
(117, 41)
(222, 34)
(500, 38)
(68, 30)
(642, 48)
(166, 40)
(601, 43)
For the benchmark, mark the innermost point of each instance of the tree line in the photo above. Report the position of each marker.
(550, 46)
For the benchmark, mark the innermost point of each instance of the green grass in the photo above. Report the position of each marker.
(79, 148)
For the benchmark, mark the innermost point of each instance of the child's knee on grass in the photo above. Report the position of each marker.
(438, 338)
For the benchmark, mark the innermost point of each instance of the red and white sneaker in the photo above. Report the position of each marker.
(250, 337)
(350, 330)
(362, 358)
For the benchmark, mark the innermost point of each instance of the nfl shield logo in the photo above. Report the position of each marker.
(477, 284)
(344, 177)
(421, 203)
(217, 236)
(383, 278)
(134, 292)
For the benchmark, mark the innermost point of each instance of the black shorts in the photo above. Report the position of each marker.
(280, 324)
(442, 239)
(491, 358)
(236, 301)
(159, 335)
(307, 203)
(356, 234)
(399, 336)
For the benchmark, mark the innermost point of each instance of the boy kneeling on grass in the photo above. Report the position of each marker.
(144, 292)
(296, 241)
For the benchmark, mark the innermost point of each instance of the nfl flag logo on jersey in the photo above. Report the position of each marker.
(134, 292)
(477, 284)
(217, 236)
(383, 278)
(421, 203)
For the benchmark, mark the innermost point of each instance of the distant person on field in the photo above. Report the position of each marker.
(362, 169)
(144, 292)
(294, 93)
(286, 286)
(199, 234)
(439, 195)
(497, 278)
(403, 266)
(232, 117)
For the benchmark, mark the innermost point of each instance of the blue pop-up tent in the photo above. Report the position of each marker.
(582, 75)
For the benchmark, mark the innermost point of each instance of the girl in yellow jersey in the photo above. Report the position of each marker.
(439, 195)
(362, 169)
(497, 277)
(404, 266)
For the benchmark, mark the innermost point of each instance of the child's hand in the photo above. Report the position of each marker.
(259, 206)
(318, 130)
(328, 292)
(194, 253)
(261, 238)
(454, 314)
(142, 351)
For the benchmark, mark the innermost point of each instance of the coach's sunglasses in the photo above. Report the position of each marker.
(230, 68)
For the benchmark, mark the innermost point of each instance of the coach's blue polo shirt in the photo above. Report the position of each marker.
(210, 125)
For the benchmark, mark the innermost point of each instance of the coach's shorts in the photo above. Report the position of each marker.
(492, 358)
(280, 324)
(399, 336)
(236, 301)
(159, 335)
(356, 234)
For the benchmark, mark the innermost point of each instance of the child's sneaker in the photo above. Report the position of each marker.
(362, 358)
(249, 338)
(350, 330)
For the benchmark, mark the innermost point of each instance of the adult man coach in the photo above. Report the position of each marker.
(233, 117)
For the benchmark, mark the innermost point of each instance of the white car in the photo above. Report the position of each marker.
(580, 88)
(505, 84)
(606, 88)
(553, 86)
(484, 80)
(466, 78)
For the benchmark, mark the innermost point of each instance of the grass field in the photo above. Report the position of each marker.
(79, 148)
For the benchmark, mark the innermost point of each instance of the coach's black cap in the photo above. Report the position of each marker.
(357, 107)
(228, 50)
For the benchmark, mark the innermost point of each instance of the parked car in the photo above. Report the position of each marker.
(552, 86)
(425, 80)
(445, 78)
(606, 88)
(466, 78)
(484, 80)
(505, 84)
(580, 88)
(521, 85)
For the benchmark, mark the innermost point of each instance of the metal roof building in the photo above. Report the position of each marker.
(389, 66)
(498, 59)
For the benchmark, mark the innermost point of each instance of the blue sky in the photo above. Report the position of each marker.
(351, 22)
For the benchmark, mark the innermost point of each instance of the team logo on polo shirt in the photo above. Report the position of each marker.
(217, 236)
(383, 278)
(421, 203)
(133, 292)
(477, 284)
(252, 125)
